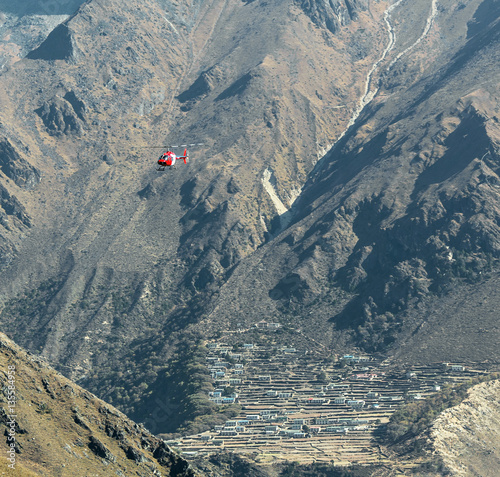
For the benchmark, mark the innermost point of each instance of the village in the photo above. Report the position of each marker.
(302, 406)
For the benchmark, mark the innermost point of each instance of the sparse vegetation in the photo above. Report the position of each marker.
(31, 304)
(414, 418)
(403, 208)
(326, 470)
(170, 398)
(62, 429)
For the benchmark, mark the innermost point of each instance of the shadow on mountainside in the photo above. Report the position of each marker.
(40, 7)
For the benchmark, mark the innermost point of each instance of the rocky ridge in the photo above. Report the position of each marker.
(60, 429)
(24, 25)
(466, 436)
(335, 14)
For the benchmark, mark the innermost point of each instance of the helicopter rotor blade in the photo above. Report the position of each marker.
(170, 146)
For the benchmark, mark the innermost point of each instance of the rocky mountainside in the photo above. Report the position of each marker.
(465, 436)
(108, 265)
(398, 221)
(56, 428)
(452, 433)
(25, 24)
(101, 252)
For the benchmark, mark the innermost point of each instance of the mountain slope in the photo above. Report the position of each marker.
(60, 429)
(465, 435)
(109, 266)
(453, 432)
(403, 209)
(105, 253)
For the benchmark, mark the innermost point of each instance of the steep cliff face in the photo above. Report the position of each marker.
(14, 217)
(16, 168)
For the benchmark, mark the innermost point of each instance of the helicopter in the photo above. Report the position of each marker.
(169, 158)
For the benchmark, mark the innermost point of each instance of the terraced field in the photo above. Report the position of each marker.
(304, 406)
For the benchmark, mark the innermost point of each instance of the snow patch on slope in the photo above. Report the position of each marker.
(268, 186)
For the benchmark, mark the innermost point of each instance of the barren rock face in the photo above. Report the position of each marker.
(467, 435)
(59, 117)
(57, 46)
(16, 168)
(334, 14)
(10, 206)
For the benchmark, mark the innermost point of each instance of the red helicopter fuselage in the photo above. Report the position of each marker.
(168, 159)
